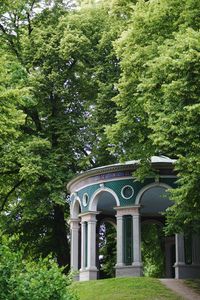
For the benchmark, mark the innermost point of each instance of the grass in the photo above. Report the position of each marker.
(194, 284)
(124, 289)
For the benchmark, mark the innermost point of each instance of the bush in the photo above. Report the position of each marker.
(153, 250)
(30, 280)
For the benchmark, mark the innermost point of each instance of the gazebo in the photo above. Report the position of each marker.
(111, 193)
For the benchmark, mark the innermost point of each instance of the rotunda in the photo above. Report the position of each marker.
(112, 194)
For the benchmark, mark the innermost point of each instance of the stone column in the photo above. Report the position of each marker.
(74, 226)
(135, 269)
(83, 245)
(180, 256)
(92, 243)
(120, 262)
(137, 261)
(180, 249)
(136, 239)
(194, 268)
(88, 272)
(196, 250)
(182, 270)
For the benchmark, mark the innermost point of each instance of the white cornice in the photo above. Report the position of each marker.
(156, 161)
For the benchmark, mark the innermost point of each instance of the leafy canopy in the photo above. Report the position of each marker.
(158, 101)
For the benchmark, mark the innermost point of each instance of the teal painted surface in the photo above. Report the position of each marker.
(90, 190)
(128, 240)
(117, 185)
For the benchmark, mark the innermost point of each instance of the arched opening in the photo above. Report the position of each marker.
(75, 208)
(105, 202)
(157, 249)
(106, 249)
(153, 249)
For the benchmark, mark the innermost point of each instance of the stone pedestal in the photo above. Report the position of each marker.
(134, 269)
(182, 270)
(180, 256)
(129, 271)
(88, 266)
(88, 274)
(74, 226)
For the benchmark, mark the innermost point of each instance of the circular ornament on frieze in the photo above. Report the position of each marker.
(127, 192)
(85, 199)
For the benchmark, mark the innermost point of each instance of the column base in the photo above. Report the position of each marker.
(183, 271)
(74, 274)
(75, 277)
(88, 274)
(134, 270)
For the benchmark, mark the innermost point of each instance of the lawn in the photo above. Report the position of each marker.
(194, 284)
(124, 289)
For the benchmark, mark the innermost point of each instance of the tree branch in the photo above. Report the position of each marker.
(10, 193)
(33, 113)
(9, 172)
(9, 39)
(30, 29)
(32, 4)
(90, 159)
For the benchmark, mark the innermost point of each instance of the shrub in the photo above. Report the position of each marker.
(31, 280)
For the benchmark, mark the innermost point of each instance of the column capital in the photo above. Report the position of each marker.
(88, 216)
(72, 220)
(119, 217)
(133, 210)
(74, 223)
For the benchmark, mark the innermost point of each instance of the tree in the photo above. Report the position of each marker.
(67, 59)
(153, 250)
(107, 250)
(36, 205)
(158, 101)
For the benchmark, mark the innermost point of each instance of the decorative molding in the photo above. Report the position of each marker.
(122, 192)
(94, 198)
(89, 216)
(149, 186)
(133, 210)
(85, 199)
(74, 212)
(85, 185)
(130, 166)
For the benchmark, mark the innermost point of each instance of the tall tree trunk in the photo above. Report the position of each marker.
(60, 238)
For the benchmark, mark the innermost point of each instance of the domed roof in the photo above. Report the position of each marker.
(156, 161)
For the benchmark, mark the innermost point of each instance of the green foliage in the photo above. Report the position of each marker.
(131, 67)
(158, 100)
(60, 66)
(10, 94)
(107, 250)
(24, 279)
(152, 250)
(27, 160)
